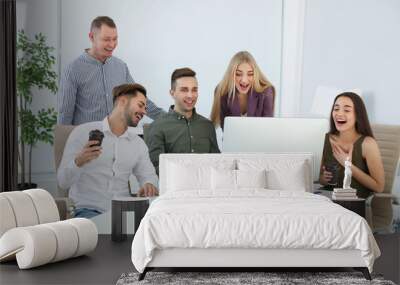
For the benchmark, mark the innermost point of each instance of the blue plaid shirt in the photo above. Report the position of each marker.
(85, 91)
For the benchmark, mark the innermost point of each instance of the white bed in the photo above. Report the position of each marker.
(203, 220)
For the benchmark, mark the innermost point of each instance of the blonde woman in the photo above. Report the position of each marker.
(243, 91)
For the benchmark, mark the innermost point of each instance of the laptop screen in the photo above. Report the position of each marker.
(276, 135)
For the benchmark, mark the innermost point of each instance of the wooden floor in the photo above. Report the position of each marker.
(110, 259)
(389, 263)
(102, 266)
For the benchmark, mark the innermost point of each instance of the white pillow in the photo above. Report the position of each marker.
(194, 172)
(281, 174)
(227, 179)
(291, 179)
(251, 178)
(188, 177)
(223, 179)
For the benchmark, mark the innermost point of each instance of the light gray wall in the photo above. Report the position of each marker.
(158, 36)
(354, 44)
(34, 17)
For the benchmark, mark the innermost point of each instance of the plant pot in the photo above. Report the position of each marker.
(26, 186)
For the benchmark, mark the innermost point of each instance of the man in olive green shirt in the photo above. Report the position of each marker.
(181, 130)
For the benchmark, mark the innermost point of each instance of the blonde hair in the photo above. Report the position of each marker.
(226, 86)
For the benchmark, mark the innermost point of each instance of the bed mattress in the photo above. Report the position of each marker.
(250, 219)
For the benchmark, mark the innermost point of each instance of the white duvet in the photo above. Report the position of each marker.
(252, 218)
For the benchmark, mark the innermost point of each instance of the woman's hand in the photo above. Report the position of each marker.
(340, 154)
(325, 177)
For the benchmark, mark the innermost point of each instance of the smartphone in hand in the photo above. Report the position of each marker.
(96, 135)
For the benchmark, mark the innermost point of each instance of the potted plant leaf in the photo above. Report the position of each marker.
(34, 70)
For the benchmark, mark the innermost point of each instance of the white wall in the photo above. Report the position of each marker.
(293, 17)
(354, 44)
(157, 36)
(34, 17)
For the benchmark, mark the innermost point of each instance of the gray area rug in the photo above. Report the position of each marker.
(226, 278)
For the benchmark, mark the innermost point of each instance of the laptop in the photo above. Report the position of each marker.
(276, 135)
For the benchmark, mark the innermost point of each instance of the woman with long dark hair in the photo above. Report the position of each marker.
(350, 136)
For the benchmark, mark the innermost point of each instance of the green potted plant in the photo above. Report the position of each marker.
(34, 69)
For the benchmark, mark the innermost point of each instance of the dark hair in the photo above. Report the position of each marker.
(362, 123)
(102, 20)
(179, 73)
(128, 89)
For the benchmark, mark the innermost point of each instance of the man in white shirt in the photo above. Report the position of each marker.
(94, 174)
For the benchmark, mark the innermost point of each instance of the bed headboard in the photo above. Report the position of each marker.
(167, 159)
(250, 134)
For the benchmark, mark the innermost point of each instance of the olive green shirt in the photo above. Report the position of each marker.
(357, 160)
(173, 133)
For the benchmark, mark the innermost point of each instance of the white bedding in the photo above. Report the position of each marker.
(251, 218)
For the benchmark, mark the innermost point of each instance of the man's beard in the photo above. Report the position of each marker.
(130, 123)
(128, 118)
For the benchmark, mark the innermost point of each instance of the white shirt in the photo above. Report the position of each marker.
(95, 183)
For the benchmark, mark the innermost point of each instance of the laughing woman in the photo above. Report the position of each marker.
(350, 136)
(243, 91)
